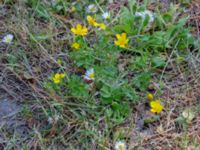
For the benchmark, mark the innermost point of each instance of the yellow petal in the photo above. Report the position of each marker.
(78, 26)
(123, 35)
(73, 30)
(85, 29)
(95, 24)
(122, 46)
(150, 96)
(153, 110)
(118, 36)
(102, 26)
(57, 76)
(89, 18)
(75, 45)
(116, 42)
(62, 75)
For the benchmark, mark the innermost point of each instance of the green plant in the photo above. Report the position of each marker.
(143, 38)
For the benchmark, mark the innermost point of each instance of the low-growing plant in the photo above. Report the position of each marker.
(143, 34)
(95, 47)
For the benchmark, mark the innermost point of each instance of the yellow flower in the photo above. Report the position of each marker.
(150, 96)
(58, 77)
(102, 26)
(121, 40)
(75, 45)
(156, 106)
(80, 30)
(92, 21)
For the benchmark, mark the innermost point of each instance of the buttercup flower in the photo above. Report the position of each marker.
(102, 26)
(58, 77)
(89, 75)
(80, 30)
(120, 145)
(106, 15)
(92, 8)
(75, 45)
(92, 21)
(8, 38)
(150, 96)
(121, 40)
(156, 106)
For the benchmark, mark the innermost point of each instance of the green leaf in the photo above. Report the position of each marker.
(42, 12)
(141, 81)
(105, 92)
(42, 36)
(158, 62)
(182, 22)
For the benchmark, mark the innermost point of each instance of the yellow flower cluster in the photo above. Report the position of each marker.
(156, 106)
(58, 77)
(121, 40)
(82, 30)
